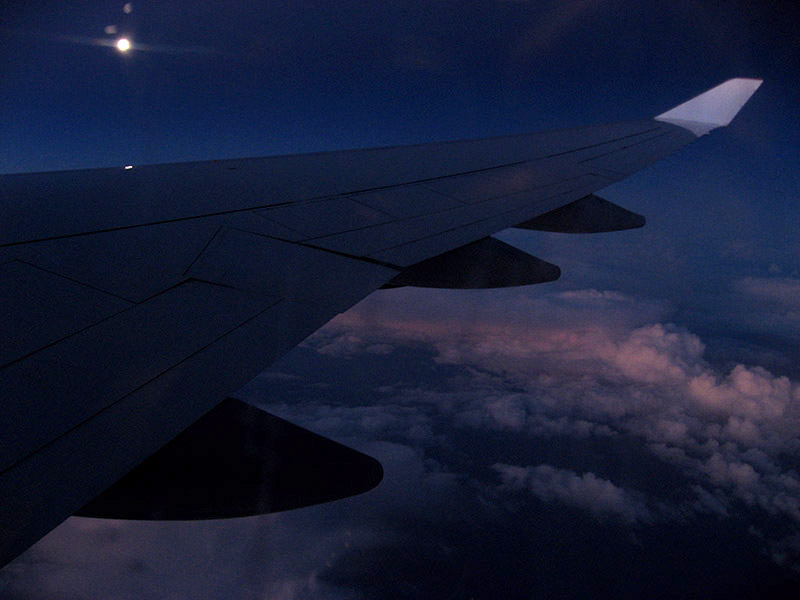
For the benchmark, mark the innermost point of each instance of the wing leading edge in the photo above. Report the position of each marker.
(134, 301)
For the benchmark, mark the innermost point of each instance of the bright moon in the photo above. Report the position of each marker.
(123, 45)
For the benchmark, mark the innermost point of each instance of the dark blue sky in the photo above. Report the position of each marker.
(628, 431)
(241, 79)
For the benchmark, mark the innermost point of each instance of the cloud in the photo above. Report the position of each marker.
(780, 292)
(280, 556)
(393, 419)
(577, 370)
(586, 491)
(767, 305)
(595, 363)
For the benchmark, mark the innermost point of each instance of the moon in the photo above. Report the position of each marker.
(123, 44)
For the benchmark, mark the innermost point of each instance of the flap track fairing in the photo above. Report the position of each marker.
(237, 461)
(487, 263)
(590, 214)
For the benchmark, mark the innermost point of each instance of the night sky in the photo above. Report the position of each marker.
(631, 430)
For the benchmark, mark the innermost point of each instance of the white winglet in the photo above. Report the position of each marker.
(712, 109)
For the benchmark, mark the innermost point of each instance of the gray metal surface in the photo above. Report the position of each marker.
(46, 205)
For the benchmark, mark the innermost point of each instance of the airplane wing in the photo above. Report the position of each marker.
(136, 299)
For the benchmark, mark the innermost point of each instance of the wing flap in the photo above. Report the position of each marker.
(264, 265)
(134, 264)
(407, 201)
(326, 216)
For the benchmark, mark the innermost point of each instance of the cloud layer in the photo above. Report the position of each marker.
(557, 410)
(586, 491)
(599, 363)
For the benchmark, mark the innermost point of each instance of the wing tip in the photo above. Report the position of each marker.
(713, 108)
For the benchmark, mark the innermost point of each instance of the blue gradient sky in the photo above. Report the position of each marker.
(627, 431)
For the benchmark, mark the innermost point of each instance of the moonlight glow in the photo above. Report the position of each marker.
(123, 44)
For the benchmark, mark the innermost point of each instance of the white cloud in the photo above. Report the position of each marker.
(780, 291)
(588, 362)
(587, 491)
(279, 556)
(571, 365)
(768, 305)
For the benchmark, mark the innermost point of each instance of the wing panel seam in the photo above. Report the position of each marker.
(319, 198)
(650, 139)
(624, 137)
(73, 280)
(475, 222)
(134, 390)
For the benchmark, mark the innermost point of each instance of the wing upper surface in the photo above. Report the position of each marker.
(134, 300)
(41, 206)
